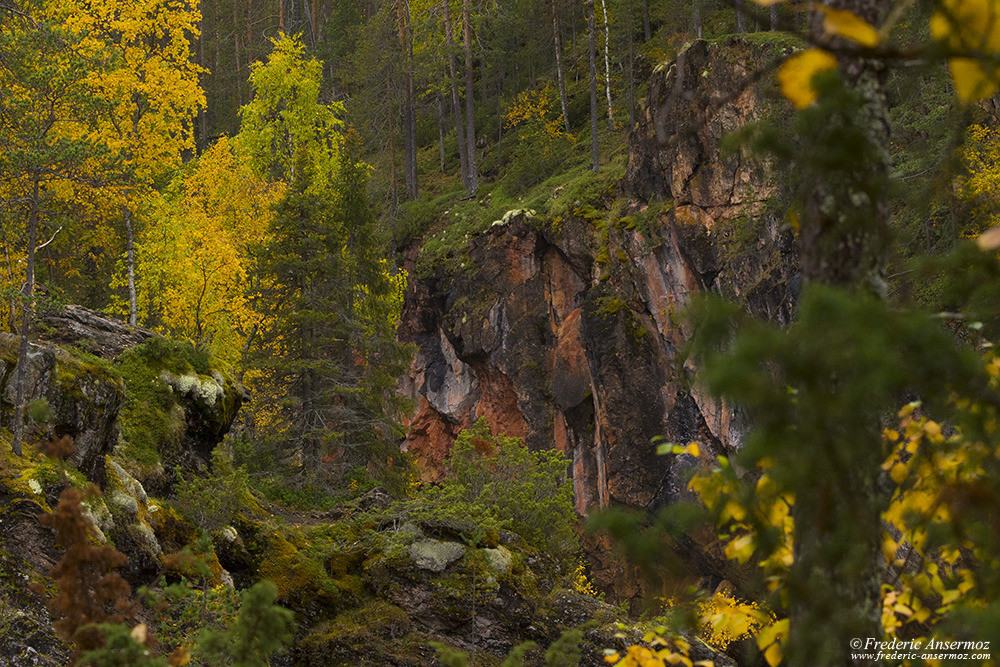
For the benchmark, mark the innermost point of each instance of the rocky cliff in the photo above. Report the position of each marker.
(570, 332)
(105, 383)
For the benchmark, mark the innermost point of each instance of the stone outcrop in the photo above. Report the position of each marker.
(84, 399)
(78, 367)
(571, 332)
(89, 331)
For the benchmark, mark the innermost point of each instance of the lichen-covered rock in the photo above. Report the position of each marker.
(179, 405)
(83, 395)
(27, 553)
(89, 331)
(434, 555)
(131, 528)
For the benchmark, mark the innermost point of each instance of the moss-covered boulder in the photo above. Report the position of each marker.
(179, 404)
(84, 395)
(131, 529)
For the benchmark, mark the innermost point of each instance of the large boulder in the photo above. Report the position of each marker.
(84, 397)
(89, 331)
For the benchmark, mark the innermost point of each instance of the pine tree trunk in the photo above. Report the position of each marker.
(592, 56)
(774, 17)
(741, 17)
(470, 118)
(133, 310)
(645, 21)
(314, 21)
(559, 64)
(441, 126)
(28, 294)
(631, 70)
(409, 105)
(456, 106)
(607, 65)
(696, 17)
(201, 142)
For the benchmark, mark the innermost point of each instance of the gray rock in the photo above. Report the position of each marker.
(500, 559)
(83, 397)
(434, 555)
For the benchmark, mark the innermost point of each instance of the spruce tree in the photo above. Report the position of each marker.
(329, 346)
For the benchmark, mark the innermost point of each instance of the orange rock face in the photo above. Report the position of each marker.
(572, 337)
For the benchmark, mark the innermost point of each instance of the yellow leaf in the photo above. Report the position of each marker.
(773, 654)
(849, 25)
(734, 510)
(898, 473)
(796, 75)
(793, 220)
(770, 635)
(740, 549)
(949, 596)
(970, 25)
(693, 449)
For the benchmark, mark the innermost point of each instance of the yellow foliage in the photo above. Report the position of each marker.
(196, 268)
(532, 114)
(153, 93)
(796, 75)
(980, 185)
(849, 25)
(970, 26)
(581, 584)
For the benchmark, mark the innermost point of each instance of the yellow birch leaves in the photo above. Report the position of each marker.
(969, 31)
(796, 75)
(970, 26)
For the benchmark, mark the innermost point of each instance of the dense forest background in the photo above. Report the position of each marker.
(260, 183)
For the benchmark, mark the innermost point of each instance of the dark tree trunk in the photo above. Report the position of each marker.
(559, 64)
(28, 295)
(456, 106)
(409, 103)
(843, 243)
(441, 128)
(470, 117)
(592, 56)
(631, 69)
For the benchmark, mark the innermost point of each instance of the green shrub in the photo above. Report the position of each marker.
(212, 500)
(498, 482)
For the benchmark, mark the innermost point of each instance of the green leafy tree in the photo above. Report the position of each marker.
(498, 481)
(286, 127)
